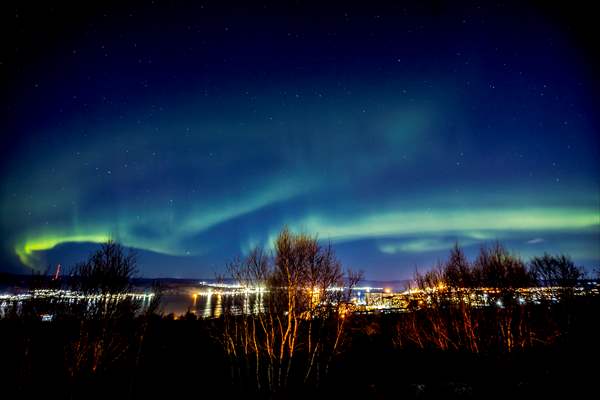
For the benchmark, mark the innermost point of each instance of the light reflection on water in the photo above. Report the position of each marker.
(203, 306)
(49, 301)
(211, 305)
(207, 305)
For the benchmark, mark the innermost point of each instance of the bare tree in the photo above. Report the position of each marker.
(304, 306)
(556, 271)
(105, 313)
(108, 270)
(495, 267)
(447, 300)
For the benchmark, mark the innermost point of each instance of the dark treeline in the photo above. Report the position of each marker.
(492, 327)
(493, 304)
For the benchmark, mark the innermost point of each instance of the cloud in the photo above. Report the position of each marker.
(535, 241)
(415, 246)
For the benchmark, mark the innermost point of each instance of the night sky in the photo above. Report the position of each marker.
(193, 133)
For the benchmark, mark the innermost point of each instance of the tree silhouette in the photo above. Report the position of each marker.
(106, 313)
(300, 322)
(555, 270)
(108, 270)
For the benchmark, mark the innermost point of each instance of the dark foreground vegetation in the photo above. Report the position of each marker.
(308, 341)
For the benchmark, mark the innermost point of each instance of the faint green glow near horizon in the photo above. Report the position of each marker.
(421, 245)
(477, 224)
(480, 221)
(195, 221)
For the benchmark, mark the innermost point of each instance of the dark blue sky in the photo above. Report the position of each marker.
(193, 133)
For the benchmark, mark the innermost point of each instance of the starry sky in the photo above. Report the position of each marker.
(193, 132)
